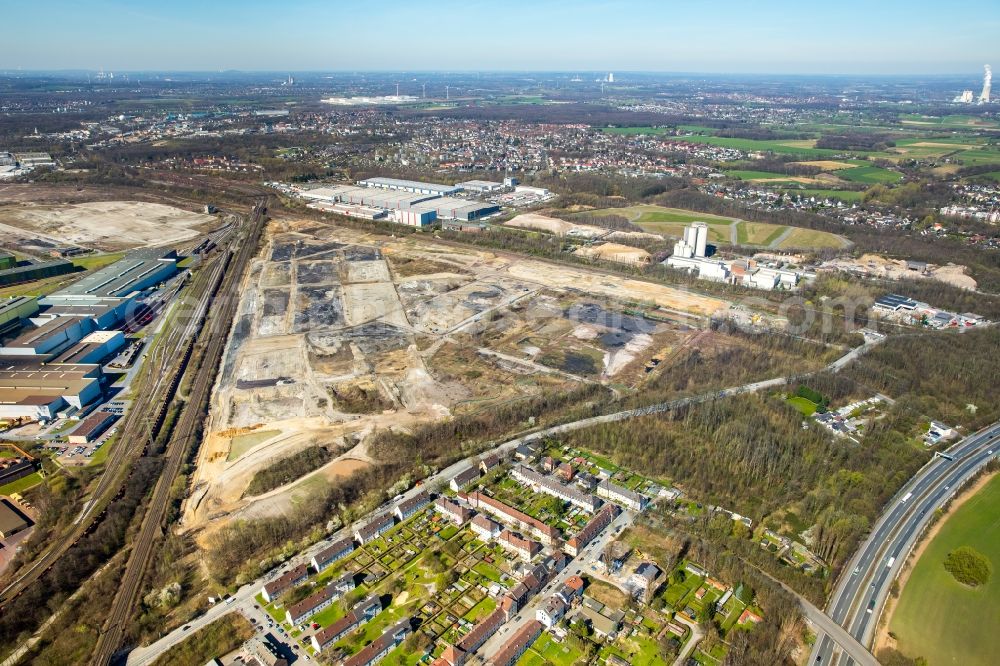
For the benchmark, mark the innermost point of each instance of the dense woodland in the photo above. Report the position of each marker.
(943, 373)
(751, 454)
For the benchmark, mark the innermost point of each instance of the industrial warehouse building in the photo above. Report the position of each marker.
(139, 270)
(94, 348)
(50, 338)
(92, 427)
(13, 310)
(405, 204)
(33, 390)
(11, 520)
(413, 186)
(37, 271)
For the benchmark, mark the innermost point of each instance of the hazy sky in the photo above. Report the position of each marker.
(773, 36)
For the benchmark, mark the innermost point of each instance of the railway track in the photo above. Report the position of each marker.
(186, 433)
(158, 378)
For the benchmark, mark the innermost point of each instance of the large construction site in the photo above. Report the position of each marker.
(342, 333)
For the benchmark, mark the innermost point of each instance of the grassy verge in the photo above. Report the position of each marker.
(937, 617)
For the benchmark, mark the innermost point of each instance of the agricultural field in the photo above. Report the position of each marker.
(804, 147)
(869, 175)
(952, 121)
(965, 150)
(632, 131)
(937, 617)
(866, 174)
(772, 178)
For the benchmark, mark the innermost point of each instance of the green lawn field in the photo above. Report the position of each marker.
(869, 174)
(805, 406)
(938, 618)
(810, 239)
(670, 221)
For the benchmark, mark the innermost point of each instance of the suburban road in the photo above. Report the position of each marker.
(864, 586)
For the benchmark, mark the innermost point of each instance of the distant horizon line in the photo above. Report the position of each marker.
(292, 71)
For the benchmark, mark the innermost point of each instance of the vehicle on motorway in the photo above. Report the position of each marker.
(888, 563)
(857, 570)
(871, 605)
(905, 498)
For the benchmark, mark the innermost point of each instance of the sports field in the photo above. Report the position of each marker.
(941, 620)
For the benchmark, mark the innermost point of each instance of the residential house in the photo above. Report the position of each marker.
(551, 612)
(456, 655)
(284, 582)
(381, 646)
(551, 486)
(515, 543)
(335, 551)
(361, 613)
(314, 603)
(406, 509)
(517, 645)
(486, 529)
(452, 510)
(644, 581)
(374, 529)
(615, 493)
(490, 462)
(509, 514)
(594, 526)
(464, 478)
(263, 652)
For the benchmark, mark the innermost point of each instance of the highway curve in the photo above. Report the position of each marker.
(864, 586)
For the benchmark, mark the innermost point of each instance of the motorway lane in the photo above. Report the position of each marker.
(864, 624)
(894, 533)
